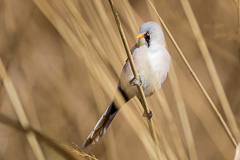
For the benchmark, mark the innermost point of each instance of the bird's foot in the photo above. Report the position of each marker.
(136, 81)
(149, 116)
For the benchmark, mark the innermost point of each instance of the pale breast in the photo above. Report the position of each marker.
(152, 65)
(160, 61)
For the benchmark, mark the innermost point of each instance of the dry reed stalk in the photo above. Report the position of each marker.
(72, 39)
(78, 19)
(110, 47)
(237, 4)
(210, 130)
(172, 125)
(153, 15)
(140, 90)
(62, 149)
(131, 19)
(133, 16)
(110, 147)
(99, 71)
(96, 65)
(169, 152)
(106, 56)
(110, 40)
(93, 63)
(220, 117)
(97, 25)
(237, 152)
(20, 112)
(238, 16)
(127, 49)
(109, 144)
(174, 133)
(77, 153)
(113, 38)
(82, 35)
(140, 128)
(211, 68)
(9, 17)
(164, 146)
(183, 114)
(223, 53)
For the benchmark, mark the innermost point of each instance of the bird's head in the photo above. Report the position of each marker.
(150, 33)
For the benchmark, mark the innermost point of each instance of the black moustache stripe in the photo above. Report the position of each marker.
(147, 39)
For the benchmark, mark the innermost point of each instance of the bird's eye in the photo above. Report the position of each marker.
(147, 38)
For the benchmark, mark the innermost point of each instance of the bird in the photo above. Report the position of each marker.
(152, 62)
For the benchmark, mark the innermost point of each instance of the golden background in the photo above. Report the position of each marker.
(64, 58)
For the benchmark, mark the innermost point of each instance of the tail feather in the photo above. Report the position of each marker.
(101, 126)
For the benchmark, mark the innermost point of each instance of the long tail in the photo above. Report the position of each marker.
(101, 126)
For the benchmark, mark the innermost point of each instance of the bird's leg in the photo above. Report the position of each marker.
(148, 114)
(136, 81)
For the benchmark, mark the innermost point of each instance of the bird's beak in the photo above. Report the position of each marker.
(140, 36)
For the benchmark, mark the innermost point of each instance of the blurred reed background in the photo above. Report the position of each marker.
(64, 58)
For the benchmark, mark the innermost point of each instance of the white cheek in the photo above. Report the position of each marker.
(141, 42)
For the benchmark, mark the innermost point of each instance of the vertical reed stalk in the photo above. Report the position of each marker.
(172, 125)
(183, 114)
(237, 3)
(228, 131)
(162, 99)
(64, 150)
(110, 143)
(169, 152)
(237, 152)
(108, 27)
(140, 128)
(211, 68)
(20, 112)
(130, 17)
(238, 16)
(124, 40)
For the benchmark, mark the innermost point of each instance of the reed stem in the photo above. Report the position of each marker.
(212, 70)
(140, 89)
(20, 112)
(220, 117)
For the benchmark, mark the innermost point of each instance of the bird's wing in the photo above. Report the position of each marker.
(134, 47)
(132, 50)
